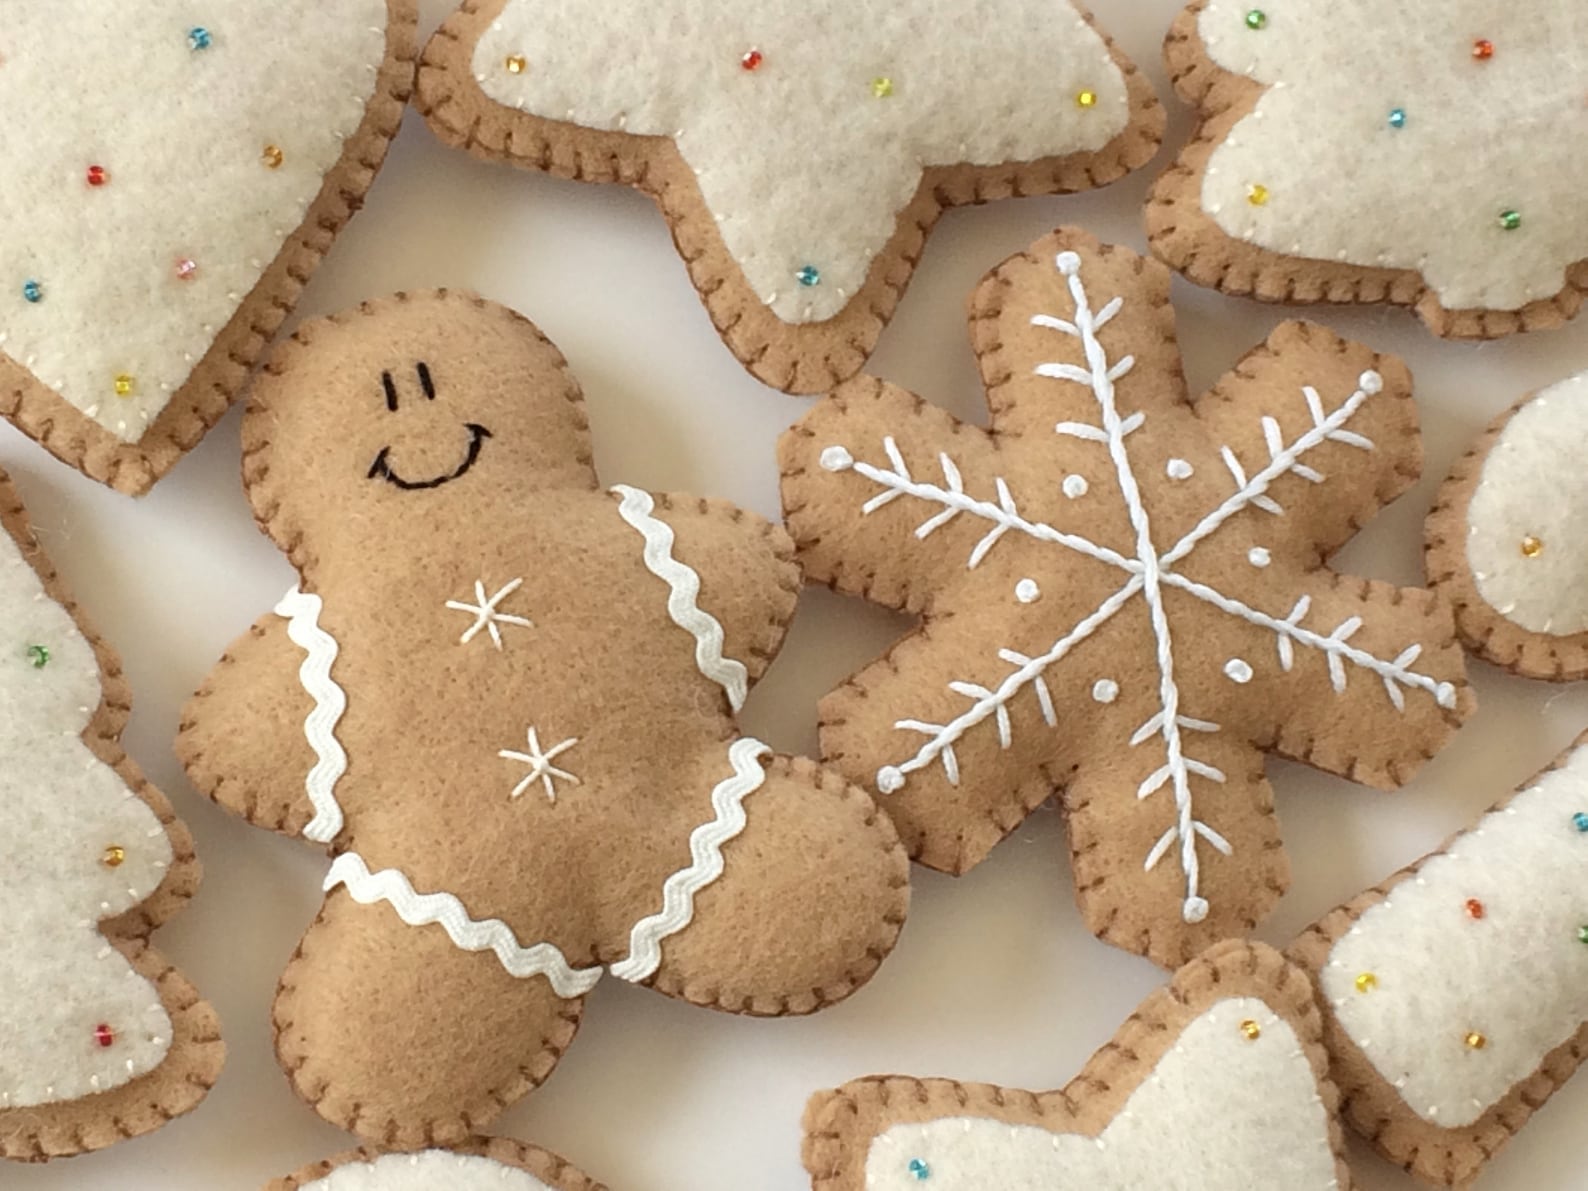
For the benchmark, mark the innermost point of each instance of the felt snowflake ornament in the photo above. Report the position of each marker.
(1218, 1080)
(167, 187)
(1124, 595)
(493, 1164)
(513, 813)
(100, 1038)
(1455, 994)
(1375, 151)
(801, 149)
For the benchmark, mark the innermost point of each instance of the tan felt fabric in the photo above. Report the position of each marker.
(1183, 235)
(217, 379)
(1375, 1108)
(840, 1126)
(797, 359)
(196, 1055)
(388, 1028)
(1484, 630)
(555, 1172)
(1108, 676)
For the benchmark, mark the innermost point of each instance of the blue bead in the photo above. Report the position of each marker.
(1397, 118)
(920, 1170)
(199, 37)
(809, 276)
(33, 291)
(1580, 821)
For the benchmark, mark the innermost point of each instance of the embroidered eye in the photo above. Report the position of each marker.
(425, 381)
(391, 391)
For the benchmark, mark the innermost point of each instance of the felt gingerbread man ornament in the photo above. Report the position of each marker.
(505, 699)
(1124, 595)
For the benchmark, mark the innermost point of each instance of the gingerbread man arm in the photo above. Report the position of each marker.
(241, 739)
(864, 433)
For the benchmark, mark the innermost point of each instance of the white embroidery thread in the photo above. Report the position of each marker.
(446, 911)
(638, 508)
(540, 765)
(486, 613)
(1147, 574)
(705, 846)
(302, 612)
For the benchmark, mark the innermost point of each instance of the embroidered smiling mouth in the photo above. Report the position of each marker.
(382, 468)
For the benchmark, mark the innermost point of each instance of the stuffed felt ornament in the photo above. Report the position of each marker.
(101, 1039)
(167, 188)
(801, 150)
(486, 1165)
(1124, 595)
(505, 698)
(1217, 1081)
(1377, 151)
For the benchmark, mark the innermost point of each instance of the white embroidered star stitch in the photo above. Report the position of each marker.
(486, 613)
(540, 765)
(1146, 572)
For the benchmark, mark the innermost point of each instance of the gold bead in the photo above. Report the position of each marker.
(1250, 1030)
(125, 384)
(113, 856)
(1087, 99)
(1366, 982)
(517, 64)
(1476, 1041)
(272, 156)
(1532, 547)
(882, 87)
(1258, 195)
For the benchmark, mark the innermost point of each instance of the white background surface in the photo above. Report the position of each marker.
(995, 978)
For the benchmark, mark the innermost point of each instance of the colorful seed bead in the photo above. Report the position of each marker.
(882, 87)
(516, 64)
(1258, 195)
(1397, 118)
(1257, 19)
(1532, 547)
(920, 1170)
(272, 156)
(199, 38)
(1580, 821)
(125, 385)
(114, 856)
(1483, 49)
(1366, 982)
(1582, 934)
(1475, 909)
(39, 655)
(98, 175)
(1510, 220)
(752, 60)
(1086, 99)
(1250, 1030)
(810, 276)
(186, 270)
(1475, 1041)
(105, 1036)
(32, 291)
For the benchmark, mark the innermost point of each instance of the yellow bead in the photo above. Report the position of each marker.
(517, 64)
(1366, 982)
(1258, 195)
(1476, 1041)
(113, 856)
(1532, 547)
(1087, 99)
(125, 385)
(1251, 1031)
(882, 88)
(272, 157)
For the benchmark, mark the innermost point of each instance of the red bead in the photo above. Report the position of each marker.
(1475, 908)
(104, 1035)
(97, 175)
(1483, 49)
(752, 60)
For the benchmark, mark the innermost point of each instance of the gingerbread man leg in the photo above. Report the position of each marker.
(473, 1037)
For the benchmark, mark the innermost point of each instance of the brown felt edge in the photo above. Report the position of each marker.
(841, 1125)
(1182, 235)
(197, 1053)
(1373, 1106)
(796, 359)
(557, 1173)
(1484, 630)
(133, 468)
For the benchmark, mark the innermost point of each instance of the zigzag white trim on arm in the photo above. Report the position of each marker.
(446, 911)
(638, 509)
(705, 846)
(302, 611)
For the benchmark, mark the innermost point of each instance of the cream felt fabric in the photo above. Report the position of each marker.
(430, 1170)
(807, 160)
(1517, 975)
(60, 809)
(182, 134)
(1219, 1111)
(1534, 486)
(1479, 137)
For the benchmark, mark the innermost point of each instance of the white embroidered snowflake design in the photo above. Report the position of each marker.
(1146, 572)
(540, 765)
(486, 613)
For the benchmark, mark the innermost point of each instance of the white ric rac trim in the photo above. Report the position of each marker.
(302, 610)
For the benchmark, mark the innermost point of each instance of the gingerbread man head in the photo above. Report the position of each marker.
(505, 699)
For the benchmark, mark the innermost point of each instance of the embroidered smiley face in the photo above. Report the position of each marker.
(382, 468)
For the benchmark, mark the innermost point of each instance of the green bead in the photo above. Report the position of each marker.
(1257, 19)
(1510, 220)
(1582, 934)
(39, 655)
